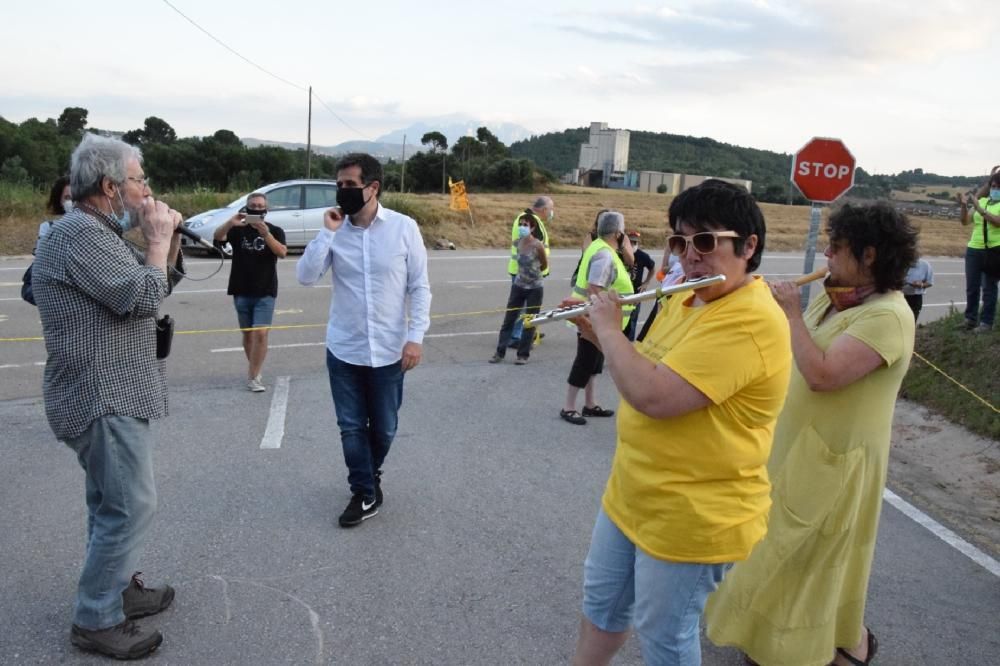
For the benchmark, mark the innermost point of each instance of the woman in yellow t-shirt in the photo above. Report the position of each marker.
(799, 599)
(983, 211)
(688, 492)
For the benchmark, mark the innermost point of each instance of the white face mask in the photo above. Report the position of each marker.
(67, 205)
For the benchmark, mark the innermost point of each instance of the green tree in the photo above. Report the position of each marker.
(72, 121)
(11, 171)
(438, 141)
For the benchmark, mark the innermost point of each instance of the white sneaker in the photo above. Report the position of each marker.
(255, 385)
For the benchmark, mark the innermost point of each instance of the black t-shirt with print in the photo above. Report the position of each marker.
(636, 273)
(254, 270)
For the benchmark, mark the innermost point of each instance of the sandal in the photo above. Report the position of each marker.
(572, 416)
(597, 410)
(872, 649)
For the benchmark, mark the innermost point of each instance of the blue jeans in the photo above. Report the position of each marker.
(367, 403)
(254, 311)
(975, 282)
(116, 453)
(530, 300)
(515, 336)
(666, 598)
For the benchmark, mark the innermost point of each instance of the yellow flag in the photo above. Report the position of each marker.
(459, 200)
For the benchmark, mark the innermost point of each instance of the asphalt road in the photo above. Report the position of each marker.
(476, 555)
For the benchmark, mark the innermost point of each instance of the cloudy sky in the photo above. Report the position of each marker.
(904, 84)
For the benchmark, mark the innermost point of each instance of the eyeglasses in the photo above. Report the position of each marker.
(144, 181)
(704, 242)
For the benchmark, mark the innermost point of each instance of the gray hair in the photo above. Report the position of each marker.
(611, 222)
(256, 195)
(95, 158)
(542, 202)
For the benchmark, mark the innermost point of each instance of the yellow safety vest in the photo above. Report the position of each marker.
(622, 283)
(514, 238)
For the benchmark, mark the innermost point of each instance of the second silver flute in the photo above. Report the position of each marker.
(571, 311)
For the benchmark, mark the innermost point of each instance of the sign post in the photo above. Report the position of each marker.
(822, 170)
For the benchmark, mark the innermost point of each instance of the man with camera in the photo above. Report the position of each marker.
(98, 298)
(379, 313)
(253, 279)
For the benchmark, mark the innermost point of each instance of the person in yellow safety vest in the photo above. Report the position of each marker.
(543, 210)
(600, 269)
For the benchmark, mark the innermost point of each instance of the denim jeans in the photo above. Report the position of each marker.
(531, 302)
(977, 282)
(367, 403)
(666, 598)
(116, 453)
(254, 311)
(515, 335)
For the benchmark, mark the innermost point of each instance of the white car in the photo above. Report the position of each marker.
(297, 206)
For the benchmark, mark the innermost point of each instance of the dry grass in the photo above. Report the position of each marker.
(576, 208)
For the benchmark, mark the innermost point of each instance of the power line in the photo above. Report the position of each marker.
(232, 50)
(269, 73)
(346, 124)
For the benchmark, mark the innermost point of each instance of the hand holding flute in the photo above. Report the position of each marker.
(787, 293)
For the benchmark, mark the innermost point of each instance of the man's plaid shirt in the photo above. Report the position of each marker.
(98, 303)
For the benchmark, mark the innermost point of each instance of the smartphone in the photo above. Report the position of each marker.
(250, 219)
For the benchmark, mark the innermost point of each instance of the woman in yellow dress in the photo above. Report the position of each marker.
(799, 600)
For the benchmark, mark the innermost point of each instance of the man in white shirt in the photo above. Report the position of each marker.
(379, 272)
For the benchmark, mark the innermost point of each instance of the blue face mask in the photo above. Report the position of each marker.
(523, 231)
(125, 221)
(995, 194)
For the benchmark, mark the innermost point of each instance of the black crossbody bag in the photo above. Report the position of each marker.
(164, 336)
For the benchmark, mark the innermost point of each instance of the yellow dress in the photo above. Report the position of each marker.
(802, 591)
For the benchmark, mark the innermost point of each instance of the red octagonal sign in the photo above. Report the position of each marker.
(823, 170)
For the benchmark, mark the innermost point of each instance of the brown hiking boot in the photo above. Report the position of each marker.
(123, 641)
(140, 601)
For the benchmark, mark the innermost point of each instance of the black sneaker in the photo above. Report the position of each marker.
(378, 489)
(123, 641)
(141, 601)
(358, 509)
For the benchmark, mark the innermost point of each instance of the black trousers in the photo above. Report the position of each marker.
(916, 302)
(589, 361)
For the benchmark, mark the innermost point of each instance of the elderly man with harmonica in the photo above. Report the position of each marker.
(688, 492)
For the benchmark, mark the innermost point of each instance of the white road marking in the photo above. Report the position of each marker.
(943, 533)
(21, 365)
(275, 430)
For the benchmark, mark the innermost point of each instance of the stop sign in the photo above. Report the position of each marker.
(823, 169)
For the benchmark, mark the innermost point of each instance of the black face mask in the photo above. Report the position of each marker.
(351, 199)
(257, 211)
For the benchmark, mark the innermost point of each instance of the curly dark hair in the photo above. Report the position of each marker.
(54, 202)
(716, 205)
(882, 227)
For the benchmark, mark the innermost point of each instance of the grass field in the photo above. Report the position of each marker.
(22, 209)
(961, 355)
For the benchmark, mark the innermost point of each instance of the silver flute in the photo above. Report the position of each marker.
(571, 311)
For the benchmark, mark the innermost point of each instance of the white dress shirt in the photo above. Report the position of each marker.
(375, 269)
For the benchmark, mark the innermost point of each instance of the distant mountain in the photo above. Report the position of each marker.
(455, 127)
(380, 149)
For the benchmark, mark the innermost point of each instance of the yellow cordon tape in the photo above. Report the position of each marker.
(957, 383)
(472, 314)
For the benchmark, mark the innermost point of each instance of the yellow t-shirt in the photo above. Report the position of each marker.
(694, 488)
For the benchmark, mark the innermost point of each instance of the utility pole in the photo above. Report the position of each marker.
(402, 177)
(444, 175)
(309, 134)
